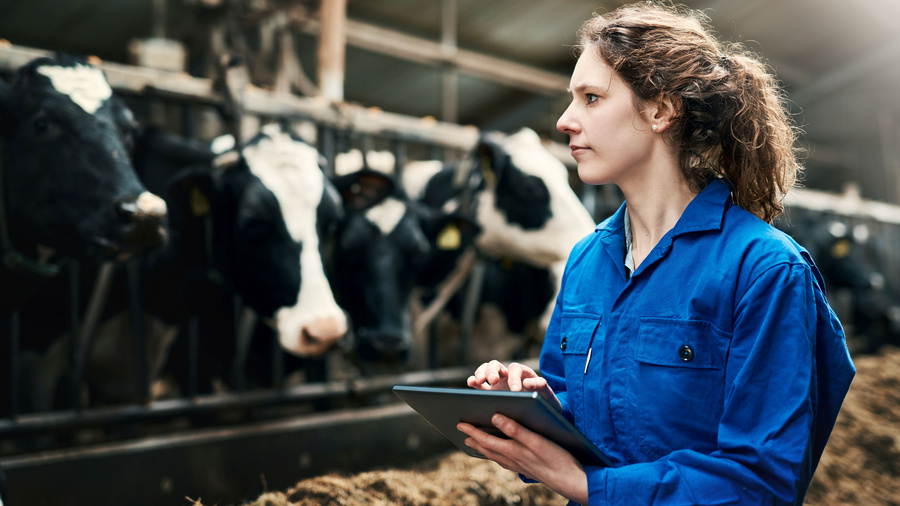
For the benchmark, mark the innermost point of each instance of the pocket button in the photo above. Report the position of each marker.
(562, 344)
(686, 353)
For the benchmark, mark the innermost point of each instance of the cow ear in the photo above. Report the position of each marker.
(365, 188)
(193, 190)
(447, 231)
(492, 158)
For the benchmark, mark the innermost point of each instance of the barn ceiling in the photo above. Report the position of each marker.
(839, 61)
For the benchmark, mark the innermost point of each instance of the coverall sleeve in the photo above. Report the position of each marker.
(764, 434)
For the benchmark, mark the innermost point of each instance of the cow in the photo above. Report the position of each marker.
(68, 190)
(383, 245)
(228, 238)
(68, 186)
(233, 239)
(523, 218)
(529, 218)
(518, 193)
(312, 208)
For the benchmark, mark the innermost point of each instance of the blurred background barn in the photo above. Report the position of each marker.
(420, 78)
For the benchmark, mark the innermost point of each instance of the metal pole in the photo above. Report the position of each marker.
(449, 95)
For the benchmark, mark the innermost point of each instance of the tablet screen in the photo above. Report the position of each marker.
(443, 408)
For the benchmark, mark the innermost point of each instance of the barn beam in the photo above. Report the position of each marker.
(332, 49)
(420, 50)
(181, 86)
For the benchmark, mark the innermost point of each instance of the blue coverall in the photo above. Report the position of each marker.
(713, 375)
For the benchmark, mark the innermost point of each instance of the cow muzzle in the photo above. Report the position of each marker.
(385, 342)
(144, 221)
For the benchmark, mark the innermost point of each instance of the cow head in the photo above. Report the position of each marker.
(228, 226)
(312, 209)
(378, 245)
(68, 184)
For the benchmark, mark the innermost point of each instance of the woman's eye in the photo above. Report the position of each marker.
(591, 98)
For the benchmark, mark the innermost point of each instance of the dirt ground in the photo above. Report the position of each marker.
(861, 463)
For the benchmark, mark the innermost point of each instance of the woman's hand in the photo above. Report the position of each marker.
(517, 377)
(531, 455)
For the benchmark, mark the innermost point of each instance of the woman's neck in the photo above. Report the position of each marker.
(653, 210)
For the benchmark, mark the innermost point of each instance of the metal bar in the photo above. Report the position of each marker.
(327, 146)
(193, 336)
(74, 324)
(470, 307)
(277, 364)
(85, 339)
(14, 376)
(40, 423)
(400, 150)
(246, 319)
(224, 465)
(136, 317)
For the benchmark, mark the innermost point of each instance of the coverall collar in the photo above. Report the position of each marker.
(704, 213)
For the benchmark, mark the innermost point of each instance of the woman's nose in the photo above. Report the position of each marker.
(565, 124)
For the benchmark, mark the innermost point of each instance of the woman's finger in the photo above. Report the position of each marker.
(517, 373)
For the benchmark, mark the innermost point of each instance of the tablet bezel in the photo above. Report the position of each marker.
(444, 407)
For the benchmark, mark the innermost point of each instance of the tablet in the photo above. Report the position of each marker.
(443, 408)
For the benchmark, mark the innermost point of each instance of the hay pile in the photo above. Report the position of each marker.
(861, 464)
(453, 480)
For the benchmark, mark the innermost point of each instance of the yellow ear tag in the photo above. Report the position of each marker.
(199, 202)
(840, 249)
(449, 238)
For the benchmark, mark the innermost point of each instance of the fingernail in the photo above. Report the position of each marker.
(498, 419)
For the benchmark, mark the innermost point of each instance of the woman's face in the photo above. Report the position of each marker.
(609, 139)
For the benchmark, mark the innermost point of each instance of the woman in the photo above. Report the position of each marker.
(691, 341)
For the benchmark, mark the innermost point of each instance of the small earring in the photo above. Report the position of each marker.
(654, 127)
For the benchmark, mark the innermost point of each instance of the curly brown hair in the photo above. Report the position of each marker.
(732, 121)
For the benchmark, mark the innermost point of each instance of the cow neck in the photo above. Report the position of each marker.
(13, 259)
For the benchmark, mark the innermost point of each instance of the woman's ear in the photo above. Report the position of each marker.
(663, 113)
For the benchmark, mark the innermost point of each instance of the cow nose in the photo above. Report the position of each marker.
(389, 343)
(144, 220)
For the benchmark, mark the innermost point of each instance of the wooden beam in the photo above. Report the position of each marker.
(181, 86)
(417, 49)
(331, 53)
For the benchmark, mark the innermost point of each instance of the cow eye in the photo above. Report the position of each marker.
(44, 127)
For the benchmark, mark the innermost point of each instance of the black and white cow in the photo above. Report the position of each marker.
(519, 194)
(382, 245)
(68, 187)
(520, 197)
(523, 219)
(312, 209)
(228, 238)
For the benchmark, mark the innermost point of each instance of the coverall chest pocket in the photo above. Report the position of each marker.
(577, 335)
(679, 384)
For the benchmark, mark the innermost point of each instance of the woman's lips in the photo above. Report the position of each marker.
(577, 150)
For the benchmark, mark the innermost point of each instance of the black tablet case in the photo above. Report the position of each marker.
(443, 408)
